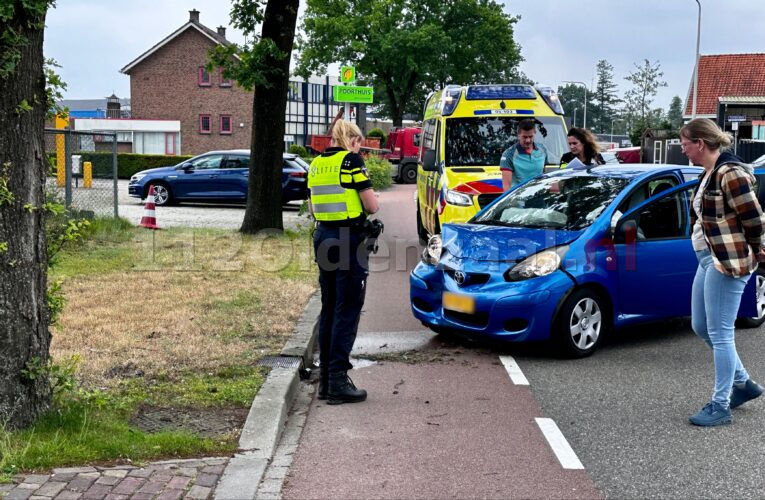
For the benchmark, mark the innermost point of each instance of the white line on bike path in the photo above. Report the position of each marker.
(516, 375)
(558, 443)
(555, 438)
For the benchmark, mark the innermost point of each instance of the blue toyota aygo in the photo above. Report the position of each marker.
(569, 256)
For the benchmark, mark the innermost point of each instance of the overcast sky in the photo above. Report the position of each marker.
(560, 39)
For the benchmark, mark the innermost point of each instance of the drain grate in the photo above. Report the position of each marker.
(280, 362)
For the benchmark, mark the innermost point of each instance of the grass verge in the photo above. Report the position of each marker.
(173, 320)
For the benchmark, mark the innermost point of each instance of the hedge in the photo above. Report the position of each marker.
(379, 172)
(127, 163)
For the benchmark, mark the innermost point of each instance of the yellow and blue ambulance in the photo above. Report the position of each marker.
(465, 131)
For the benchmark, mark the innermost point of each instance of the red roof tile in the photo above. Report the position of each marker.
(726, 75)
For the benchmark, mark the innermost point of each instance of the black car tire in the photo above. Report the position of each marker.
(583, 309)
(408, 174)
(759, 275)
(422, 233)
(163, 196)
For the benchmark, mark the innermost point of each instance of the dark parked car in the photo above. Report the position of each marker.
(215, 176)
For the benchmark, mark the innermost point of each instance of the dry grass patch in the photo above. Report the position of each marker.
(199, 300)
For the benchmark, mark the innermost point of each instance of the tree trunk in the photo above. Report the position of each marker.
(24, 335)
(264, 191)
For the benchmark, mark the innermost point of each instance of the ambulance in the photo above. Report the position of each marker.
(465, 131)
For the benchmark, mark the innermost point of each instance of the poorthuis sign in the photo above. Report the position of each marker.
(353, 93)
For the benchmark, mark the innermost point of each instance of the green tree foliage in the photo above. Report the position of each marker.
(605, 99)
(645, 80)
(571, 98)
(675, 113)
(406, 48)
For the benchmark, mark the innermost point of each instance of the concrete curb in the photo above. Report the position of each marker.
(268, 412)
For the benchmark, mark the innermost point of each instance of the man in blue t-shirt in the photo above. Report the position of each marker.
(524, 159)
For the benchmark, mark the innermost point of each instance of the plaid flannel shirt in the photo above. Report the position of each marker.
(732, 219)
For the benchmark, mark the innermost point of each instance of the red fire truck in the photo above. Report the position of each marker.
(402, 151)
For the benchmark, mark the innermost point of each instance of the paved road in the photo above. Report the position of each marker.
(450, 426)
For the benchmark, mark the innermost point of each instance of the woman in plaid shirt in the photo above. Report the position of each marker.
(727, 237)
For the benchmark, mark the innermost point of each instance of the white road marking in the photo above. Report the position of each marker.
(516, 375)
(558, 443)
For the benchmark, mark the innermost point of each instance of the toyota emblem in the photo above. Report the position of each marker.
(459, 277)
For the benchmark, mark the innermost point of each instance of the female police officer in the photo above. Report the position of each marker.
(341, 198)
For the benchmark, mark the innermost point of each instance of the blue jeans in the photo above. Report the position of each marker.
(343, 269)
(715, 300)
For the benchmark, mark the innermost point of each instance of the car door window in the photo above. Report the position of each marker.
(666, 218)
(208, 162)
(239, 161)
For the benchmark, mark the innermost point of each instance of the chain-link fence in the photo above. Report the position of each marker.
(84, 171)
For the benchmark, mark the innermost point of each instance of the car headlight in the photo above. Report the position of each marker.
(539, 264)
(137, 177)
(432, 253)
(459, 199)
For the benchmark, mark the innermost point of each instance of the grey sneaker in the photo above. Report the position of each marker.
(712, 414)
(750, 391)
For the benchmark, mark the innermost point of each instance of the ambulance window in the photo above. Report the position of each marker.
(428, 135)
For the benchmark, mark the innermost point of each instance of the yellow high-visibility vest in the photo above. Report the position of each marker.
(330, 200)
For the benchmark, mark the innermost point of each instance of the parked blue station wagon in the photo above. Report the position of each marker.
(215, 176)
(569, 256)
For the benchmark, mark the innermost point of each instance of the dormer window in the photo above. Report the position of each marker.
(204, 77)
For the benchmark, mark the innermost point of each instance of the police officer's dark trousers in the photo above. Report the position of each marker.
(343, 269)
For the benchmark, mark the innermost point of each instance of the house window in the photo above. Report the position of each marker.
(204, 77)
(224, 82)
(317, 92)
(225, 124)
(205, 124)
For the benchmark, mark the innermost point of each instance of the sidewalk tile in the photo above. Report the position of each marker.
(36, 478)
(162, 476)
(171, 494)
(214, 469)
(208, 480)
(80, 484)
(74, 470)
(29, 486)
(141, 472)
(68, 495)
(108, 480)
(97, 492)
(216, 461)
(50, 489)
(120, 473)
(186, 471)
(128, 486)
(199, 492)
(63, 477)
(142, 496)
(115, 496)
(178, 483)
(152, 487)
(19, 494)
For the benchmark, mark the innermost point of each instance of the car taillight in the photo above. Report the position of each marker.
(296, 174)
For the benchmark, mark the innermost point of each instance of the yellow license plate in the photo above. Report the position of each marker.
(459, 303)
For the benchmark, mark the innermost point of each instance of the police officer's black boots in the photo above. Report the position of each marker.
(323, 382)
(342, 390)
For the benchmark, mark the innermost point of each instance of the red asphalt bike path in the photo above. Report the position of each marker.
(451, 426)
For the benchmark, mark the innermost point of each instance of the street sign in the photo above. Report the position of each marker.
(737, 118)
(347, 74)
(734, 126)
(352, 93)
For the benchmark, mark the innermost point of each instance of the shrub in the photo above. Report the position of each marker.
(376, 132)
(379, 172)
(299, 150)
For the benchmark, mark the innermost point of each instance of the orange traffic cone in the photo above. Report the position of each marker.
(149, 220)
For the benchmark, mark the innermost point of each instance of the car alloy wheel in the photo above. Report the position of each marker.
(161, 195)
(581, 323)
(754, 322)
(584, 323)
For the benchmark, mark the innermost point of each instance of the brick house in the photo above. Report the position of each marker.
(169, 82)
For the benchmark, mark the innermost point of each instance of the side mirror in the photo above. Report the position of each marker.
(186, 167)
(625, 231)
(429, 161)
